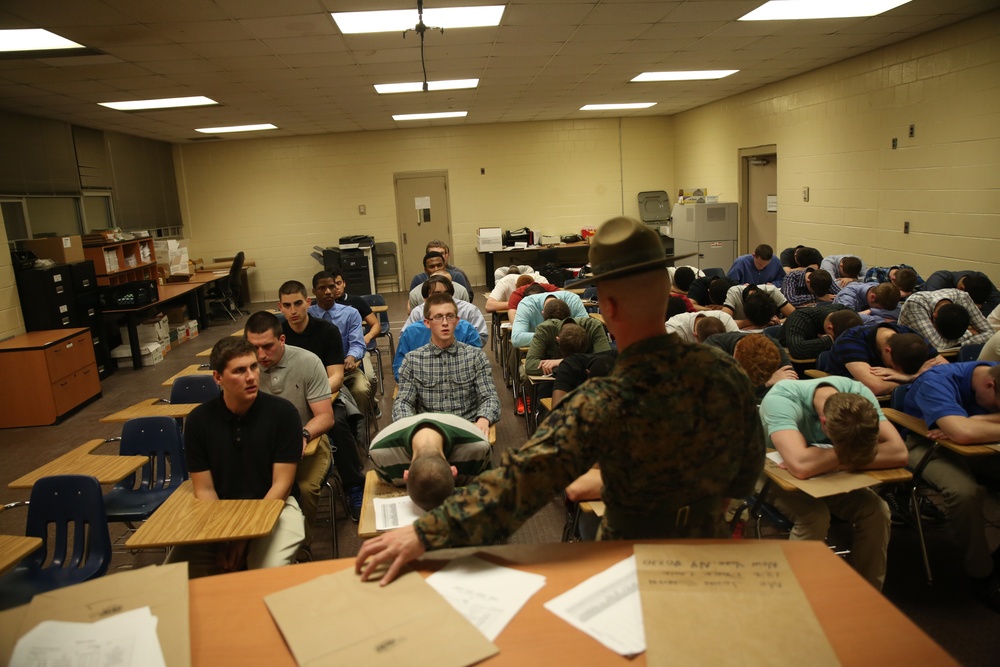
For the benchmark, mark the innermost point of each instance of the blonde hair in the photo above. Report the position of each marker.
(852, 424)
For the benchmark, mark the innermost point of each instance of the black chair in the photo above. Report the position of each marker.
(226, 291)
(383, 320)
(67, 513)
(159, 439)
(193, 389)
(386, 269)
(970, 351)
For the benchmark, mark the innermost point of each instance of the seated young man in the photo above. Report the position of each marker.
(560, 336)
(505, 286)
(809, 331)
(976, 284)
(438, 284)
(696, 327)
(761, 357)
(430, 454)
(875, 303)
(758, 268)
(946, 318)
(961, 402)
(261, 464)
(809, 286)
(529, 314)
(902, 276)
(799, 258)
(798, 416)
(881, 357)
(435, 261)
(709, 292)
(844, 268)
(756, 306)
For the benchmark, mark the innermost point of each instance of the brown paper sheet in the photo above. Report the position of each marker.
(404, 623)
(825, 485)
(164, 589)
(721, 605)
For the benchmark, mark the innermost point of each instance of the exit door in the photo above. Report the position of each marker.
(422, 215)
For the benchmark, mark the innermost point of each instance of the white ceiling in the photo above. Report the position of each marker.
(285, 62)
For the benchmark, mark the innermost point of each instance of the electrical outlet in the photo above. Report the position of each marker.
(895, 142)
(361, 209)
(482, 171)
(912, 130)
(906, 226)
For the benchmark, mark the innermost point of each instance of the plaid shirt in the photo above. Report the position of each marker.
(918, 311)
(456, 380)
(797, 292)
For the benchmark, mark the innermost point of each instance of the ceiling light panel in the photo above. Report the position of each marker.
(430, 116)
(163, 103)
(616, 107)
(352, 23)
(237, 128)
(418, 86)
(690, 75)
(34, 39)
(786, 10)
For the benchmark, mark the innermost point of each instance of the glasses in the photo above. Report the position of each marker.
(450, 317)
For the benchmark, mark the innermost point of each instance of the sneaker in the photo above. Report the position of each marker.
(899, 508)
(929, 511)
(520, 407)
(987, 591)
(355, 496)
(378, 411)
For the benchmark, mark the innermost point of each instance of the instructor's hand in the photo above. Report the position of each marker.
(395, 548)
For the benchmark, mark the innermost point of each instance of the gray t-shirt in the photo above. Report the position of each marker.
(298, 378)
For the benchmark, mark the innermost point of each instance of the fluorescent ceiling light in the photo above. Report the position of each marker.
(237, 128)
(784, 10)
(405, 19)
(692, 75)
(418, 86)
(34, 39)
(612, 107)
(165, 103)
(430, 116)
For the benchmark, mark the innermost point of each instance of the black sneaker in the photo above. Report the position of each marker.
(987, 591)
(355, 497)
(929, 511)
(899, 508)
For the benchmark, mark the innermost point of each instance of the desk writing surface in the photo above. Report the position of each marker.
(151, 407)
(193, 369)
(228, 610)
(106, 468)
(13, 549)
(183, 519)
(920, 428)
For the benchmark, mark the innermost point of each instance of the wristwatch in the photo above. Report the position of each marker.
(306, 434)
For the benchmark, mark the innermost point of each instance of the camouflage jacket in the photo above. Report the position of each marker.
(672, 424)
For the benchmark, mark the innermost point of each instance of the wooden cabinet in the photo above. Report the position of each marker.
(123, 262)
(48, 374)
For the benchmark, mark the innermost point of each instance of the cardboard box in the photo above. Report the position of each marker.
(60, 249)
(489, 239)
(153, 330)
(192, 328)
(176, 315)
(152, 354)
(172, 254)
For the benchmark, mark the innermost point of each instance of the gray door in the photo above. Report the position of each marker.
(422, 215)
(762, 183)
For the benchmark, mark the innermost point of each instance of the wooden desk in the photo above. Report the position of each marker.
(374, 488)
(151, 407)
(193, 369)
(920, 428)
(380, 309)
(80, 461)
(205, 353)
(183, 519)
(13, 549)
(599, 318)
(887, 476)
(231, 625)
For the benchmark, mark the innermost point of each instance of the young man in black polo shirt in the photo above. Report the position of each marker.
(243, 445)
(324, 340)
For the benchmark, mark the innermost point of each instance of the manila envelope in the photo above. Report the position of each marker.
(726, 604)
(404, 623)
(824, 485)
(162, 588)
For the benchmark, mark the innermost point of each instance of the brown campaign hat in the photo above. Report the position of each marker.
(623, 246)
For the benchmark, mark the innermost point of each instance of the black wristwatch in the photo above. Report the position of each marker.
(306, 434)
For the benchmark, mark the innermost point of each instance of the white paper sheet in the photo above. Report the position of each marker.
(607, 607)
(487, 595)
(395, 512)
(119, 641)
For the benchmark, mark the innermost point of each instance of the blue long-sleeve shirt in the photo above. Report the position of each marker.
(745, 272)
(348, 320)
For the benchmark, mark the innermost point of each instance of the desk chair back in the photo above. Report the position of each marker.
(714, 273)
(193, 389)
(970, 351)
(590, 295)
(227, 290)
(823, 361)
(139, 495)
(896, 402)
(383, 319)
(67, 513)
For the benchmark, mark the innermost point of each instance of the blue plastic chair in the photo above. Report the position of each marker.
(70, 556)
(159, 439)
(970, 351)
(823, 361)
(383, 320)
(193, 389)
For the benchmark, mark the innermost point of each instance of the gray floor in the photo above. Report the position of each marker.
(945, 610)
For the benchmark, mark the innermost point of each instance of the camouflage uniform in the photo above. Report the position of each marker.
(673, 425)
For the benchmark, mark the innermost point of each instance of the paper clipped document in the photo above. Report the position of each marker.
(376, 626)
(395, 512)
(487, 595)
(607, 608)
(126, 640)
(688, 589)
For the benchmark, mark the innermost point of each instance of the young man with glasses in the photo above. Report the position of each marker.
(446, 375)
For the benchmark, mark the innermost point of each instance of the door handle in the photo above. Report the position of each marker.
(404, 238)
